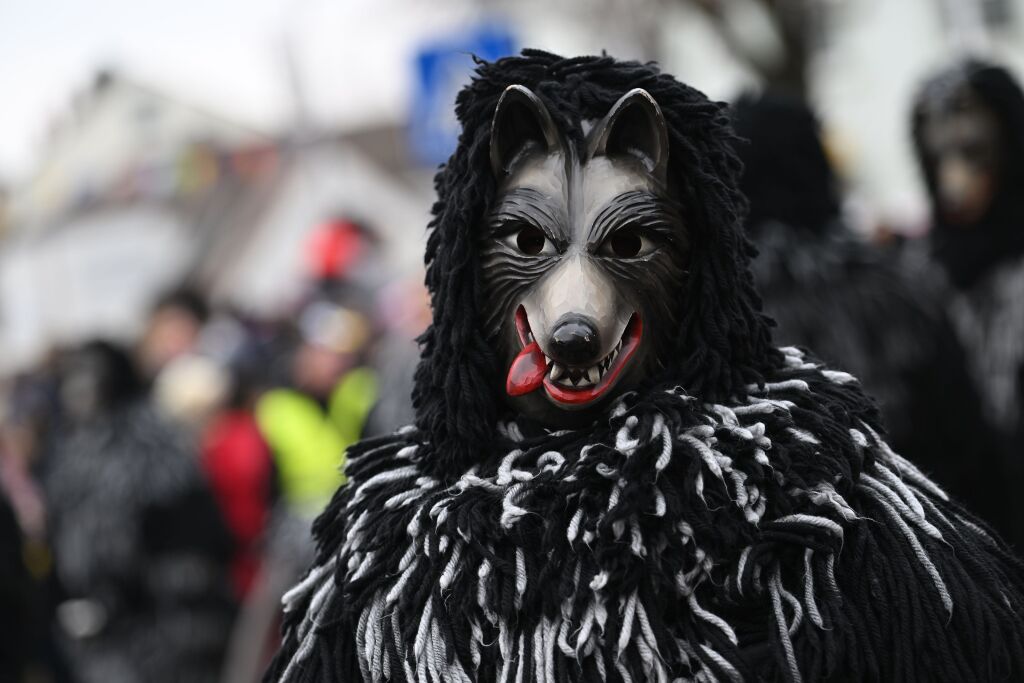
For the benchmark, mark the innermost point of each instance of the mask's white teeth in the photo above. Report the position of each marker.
(580, 378)
(529, 337)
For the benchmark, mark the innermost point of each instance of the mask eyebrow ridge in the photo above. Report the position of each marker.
(646, 209)
(525, 204)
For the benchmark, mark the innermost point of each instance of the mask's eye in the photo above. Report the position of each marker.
(627, 244)
(531, 241)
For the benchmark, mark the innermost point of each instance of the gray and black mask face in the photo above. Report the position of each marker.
(584, 256)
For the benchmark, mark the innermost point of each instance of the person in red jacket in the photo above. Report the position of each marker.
(240, 469)
(238, 466)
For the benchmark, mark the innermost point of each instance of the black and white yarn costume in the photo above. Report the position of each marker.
(738, 518)
(861, 309)
(140, 551)
(983, 256)
(990, 319)
(984, 259)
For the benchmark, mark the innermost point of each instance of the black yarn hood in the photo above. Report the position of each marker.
(969, 252)
(787, 177)
(724, 344)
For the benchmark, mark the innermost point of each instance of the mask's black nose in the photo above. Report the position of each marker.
(574, 341)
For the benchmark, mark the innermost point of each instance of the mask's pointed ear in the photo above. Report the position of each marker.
(635, 127)
(521, 122)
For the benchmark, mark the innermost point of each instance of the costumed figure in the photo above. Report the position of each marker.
(968, 129)
(140, 549)
(614, 475)
(853, 304)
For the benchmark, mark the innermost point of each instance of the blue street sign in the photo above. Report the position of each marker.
(442, 68)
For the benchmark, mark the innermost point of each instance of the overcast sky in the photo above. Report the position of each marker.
(354, 57)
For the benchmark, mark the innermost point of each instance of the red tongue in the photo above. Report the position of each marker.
(527, 371)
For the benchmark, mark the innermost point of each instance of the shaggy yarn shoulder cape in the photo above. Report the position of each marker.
(773, 538)
(739, 518)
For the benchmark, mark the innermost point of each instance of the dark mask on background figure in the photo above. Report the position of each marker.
(584, 255)
(968, 128)
(962, 142)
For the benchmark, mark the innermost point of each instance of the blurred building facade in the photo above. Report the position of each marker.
(106, 219)
(141, 192)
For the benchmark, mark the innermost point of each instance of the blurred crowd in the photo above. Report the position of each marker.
(155, 498)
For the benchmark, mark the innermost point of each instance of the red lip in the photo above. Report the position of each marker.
(529, 370)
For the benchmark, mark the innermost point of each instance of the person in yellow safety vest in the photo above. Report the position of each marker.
(310, 426)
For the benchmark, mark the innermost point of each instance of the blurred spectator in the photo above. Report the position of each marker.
(849, 302)
(235, 456)
(25, 427)
(331, 388)
(15, 599)
(208, 381)
(27, 573)
(311, 423)
(139, 545)
(338, 247)
(172, 330)
(191, 389)
(969, 134)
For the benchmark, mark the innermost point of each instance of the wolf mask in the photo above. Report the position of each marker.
(582, 257)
